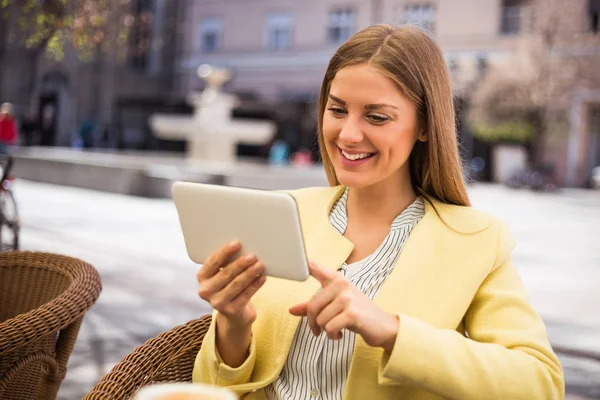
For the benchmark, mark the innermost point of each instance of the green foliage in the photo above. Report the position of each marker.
(89, 26)
(512, 131)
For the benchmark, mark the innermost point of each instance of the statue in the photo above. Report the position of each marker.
(215, 78)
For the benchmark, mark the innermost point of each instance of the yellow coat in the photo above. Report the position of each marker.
(467, 330)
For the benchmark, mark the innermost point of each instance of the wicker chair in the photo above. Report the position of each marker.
(43, 298)
(169, 357)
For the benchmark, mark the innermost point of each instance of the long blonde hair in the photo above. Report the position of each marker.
(413, 60)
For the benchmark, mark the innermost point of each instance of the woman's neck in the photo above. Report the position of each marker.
(379, 204)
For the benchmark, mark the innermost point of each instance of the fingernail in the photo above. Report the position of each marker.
(250, 257)
(233, 244)
(257, 267)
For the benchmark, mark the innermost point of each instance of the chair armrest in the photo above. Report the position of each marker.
(169, 357)
(62, 311)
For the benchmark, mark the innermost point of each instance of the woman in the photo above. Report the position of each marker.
(415, 295)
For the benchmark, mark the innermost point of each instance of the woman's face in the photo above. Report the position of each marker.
(369, 128)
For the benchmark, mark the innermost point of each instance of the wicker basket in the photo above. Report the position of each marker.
(169, 357)
(43, 298)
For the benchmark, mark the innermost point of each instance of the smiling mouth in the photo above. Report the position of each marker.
(356, 156)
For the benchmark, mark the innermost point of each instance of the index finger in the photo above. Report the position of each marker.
(216, 260)
(323, 275)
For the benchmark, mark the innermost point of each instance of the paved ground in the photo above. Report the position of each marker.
(149, 283)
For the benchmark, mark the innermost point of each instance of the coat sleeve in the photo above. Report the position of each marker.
(209, 368)
(505, 356)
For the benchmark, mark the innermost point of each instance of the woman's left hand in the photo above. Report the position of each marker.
(341, 305)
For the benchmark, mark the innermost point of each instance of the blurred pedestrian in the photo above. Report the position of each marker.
(48, 125)
(29, 128)
(8, 127)
(87, 132)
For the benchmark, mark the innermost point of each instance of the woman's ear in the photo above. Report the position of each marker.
(422, 136)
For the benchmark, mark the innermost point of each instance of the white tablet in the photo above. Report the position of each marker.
(266, 223)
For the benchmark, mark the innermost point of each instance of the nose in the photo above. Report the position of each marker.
(351, 132)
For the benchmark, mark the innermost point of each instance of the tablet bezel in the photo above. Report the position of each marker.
(272, 204)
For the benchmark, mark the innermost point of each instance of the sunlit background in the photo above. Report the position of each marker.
(114, 100)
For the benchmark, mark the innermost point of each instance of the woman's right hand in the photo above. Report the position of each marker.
(229, 285)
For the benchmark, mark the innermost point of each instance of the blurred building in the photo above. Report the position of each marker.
(279, 50)
(117, 90)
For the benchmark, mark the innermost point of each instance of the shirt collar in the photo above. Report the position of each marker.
(338, 216)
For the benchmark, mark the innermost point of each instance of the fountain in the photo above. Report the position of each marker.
(211, 133)
(212, 136)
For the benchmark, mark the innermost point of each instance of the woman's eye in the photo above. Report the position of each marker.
(337, 111)
(378, 119)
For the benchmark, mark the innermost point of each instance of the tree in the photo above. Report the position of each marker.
(91, 27)
(534, 88)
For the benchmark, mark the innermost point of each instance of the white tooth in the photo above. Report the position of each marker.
(354, 157)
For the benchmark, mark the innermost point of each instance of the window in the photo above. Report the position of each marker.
(341, 25)
(422, 15)
(594, 16)
(141, 35)
(516, 17)
(211, 33)
(279, 31)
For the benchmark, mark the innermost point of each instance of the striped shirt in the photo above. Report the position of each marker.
(317, 367)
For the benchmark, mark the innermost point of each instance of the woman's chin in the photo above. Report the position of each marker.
(353, 179)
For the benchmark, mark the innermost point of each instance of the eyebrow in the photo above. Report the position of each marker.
(367, 106)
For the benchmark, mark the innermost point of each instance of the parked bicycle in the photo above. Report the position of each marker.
(9, 216)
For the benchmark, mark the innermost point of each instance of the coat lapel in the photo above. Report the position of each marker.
(325, 246)
(397, 295)
(438, 242)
